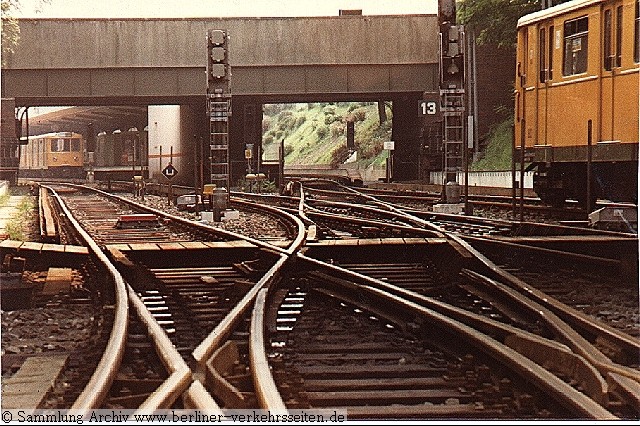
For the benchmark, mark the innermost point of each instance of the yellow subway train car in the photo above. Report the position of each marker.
(576, 100)
(53, 155)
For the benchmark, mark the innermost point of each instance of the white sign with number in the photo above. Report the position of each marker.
(389, 145)
(428, 108)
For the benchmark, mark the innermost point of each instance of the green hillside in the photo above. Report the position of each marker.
(316, 133)
(497, 155)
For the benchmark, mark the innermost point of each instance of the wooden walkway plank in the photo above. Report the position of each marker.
(27, 388)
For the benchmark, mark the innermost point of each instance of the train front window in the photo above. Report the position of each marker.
(576, 32)
(60, 145)
(75, 145)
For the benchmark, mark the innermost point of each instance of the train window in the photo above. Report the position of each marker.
(60, 145)
(576, 33)
(550, 73)
(618, 36)
(75, 145)
(636, 39)
(541, 49)
(607, 40)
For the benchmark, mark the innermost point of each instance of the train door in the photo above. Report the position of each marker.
(611, 63)
(525, 96)
(545, 37)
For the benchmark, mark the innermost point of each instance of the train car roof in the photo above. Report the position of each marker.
(555, 11)
(56, 135)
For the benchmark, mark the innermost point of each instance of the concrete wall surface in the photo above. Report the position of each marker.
(163, 61)
(108, 43)
(499, 179)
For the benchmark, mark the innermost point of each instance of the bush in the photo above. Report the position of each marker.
(322, 132)
(369, 148)
(288, 149)
(267, 140)
(339, 155)
(337, 129)
(266, 124)
(359, 114)
(300, 120)
(329, 110)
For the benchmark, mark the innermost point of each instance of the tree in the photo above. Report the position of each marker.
(10, 28)
(495, 21)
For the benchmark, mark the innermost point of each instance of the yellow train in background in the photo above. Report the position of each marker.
(53, 155)
(576, 100)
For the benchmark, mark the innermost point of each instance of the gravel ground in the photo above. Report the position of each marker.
(252, 224)
(32, 331)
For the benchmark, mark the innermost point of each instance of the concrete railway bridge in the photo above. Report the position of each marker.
(148, 62)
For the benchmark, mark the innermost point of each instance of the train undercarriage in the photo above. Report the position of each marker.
(614, 181)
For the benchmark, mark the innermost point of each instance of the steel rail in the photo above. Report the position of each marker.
(215, 339)
(579, 344)
(546, 381)
(180, 377)
(529, 227)
(300, 234)
(183, 221)
(98, 386)
(565, 312)
(578, 257)
(266, 390)
(197, 397)
(576, 341)
(201, 226)
(219, 334)
(48, 225)
(312, 229)
(524, 342)
(370, 222)
(180, 374)
(541, 377)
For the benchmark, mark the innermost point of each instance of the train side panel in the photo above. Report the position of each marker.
(577, 63)
(120, 156)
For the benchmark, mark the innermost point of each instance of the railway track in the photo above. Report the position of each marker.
(347, 357)
(236, 332)
(183, 304)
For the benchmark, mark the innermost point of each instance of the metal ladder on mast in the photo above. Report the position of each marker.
(453, 137)
(219, 107)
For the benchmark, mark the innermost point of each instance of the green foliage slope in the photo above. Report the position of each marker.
(317, 133)
(497, 156)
